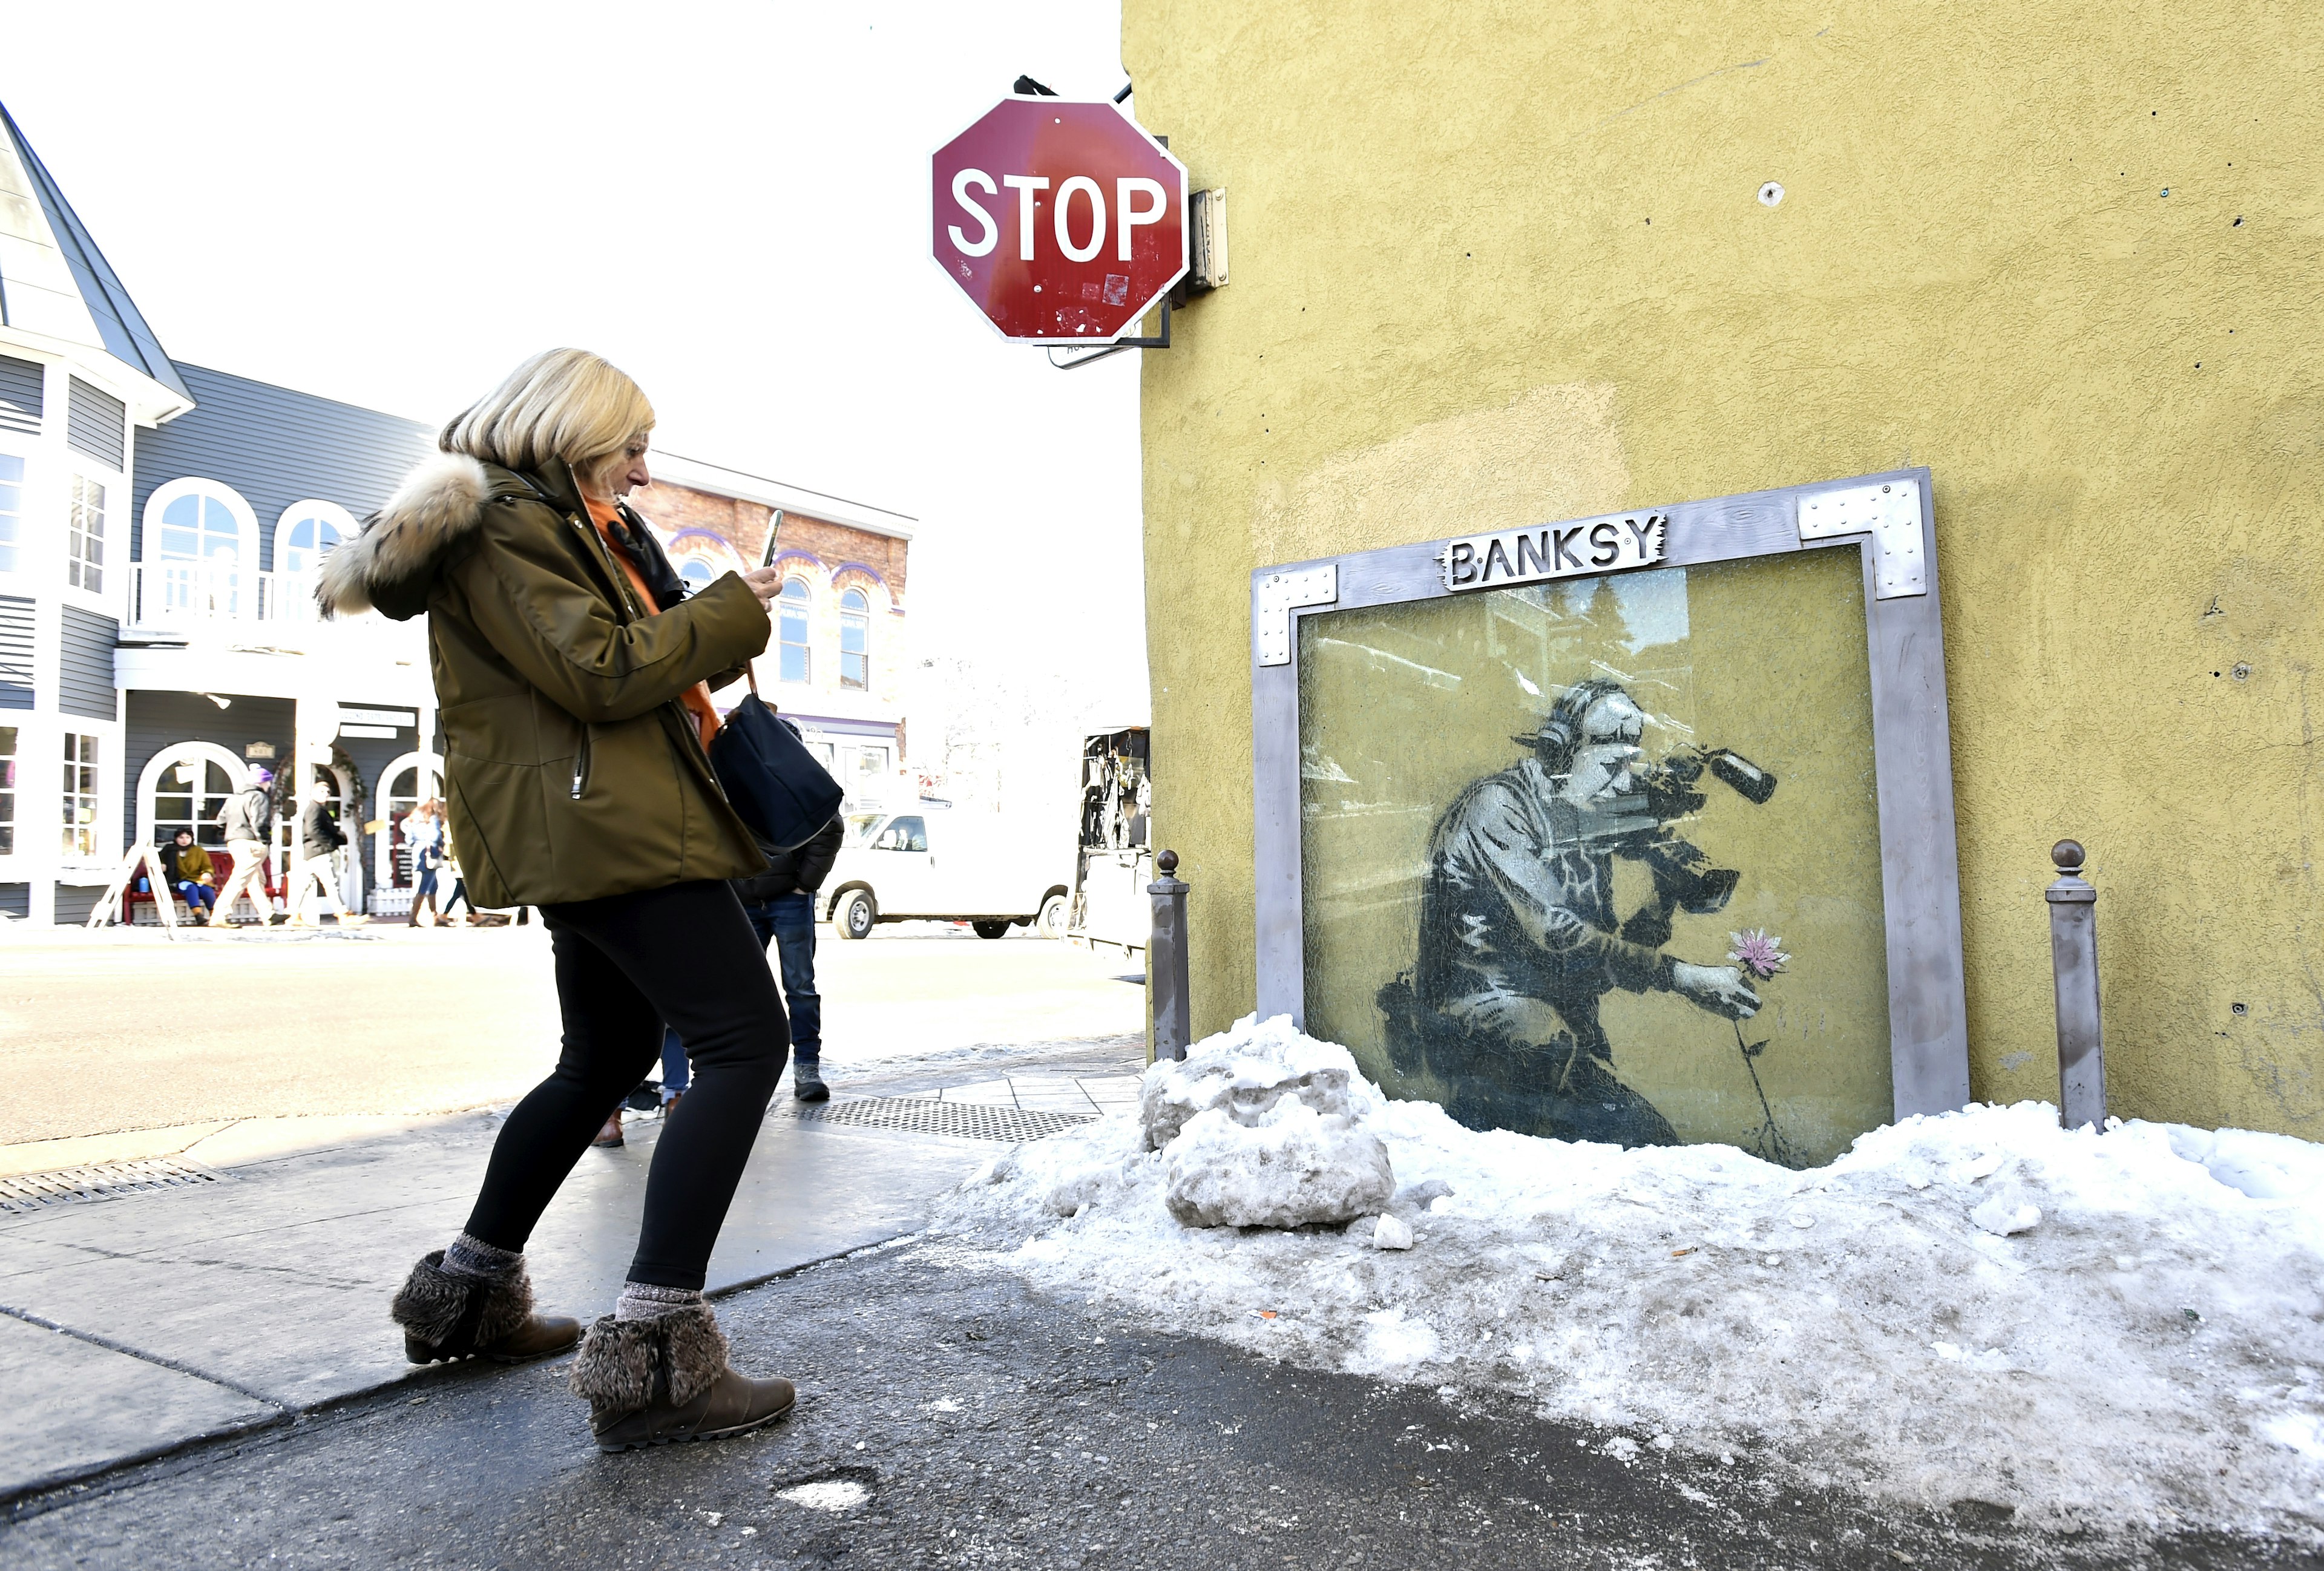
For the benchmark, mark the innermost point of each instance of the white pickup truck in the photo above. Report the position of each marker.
(929, 862)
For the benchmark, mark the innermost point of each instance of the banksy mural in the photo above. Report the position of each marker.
(1599, 860)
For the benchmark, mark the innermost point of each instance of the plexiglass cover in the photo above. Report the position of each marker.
(1600, 858)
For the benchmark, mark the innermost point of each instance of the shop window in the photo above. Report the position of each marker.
(85, 541)
(854, 640)
(792, 630)
(80, 795)
(7, 790)
(12, 509)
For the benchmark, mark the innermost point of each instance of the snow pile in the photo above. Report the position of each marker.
(1261, 1129)
(2111, 1329)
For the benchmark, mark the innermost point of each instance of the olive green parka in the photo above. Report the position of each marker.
(572, 771)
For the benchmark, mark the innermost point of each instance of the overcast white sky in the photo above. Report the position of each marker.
(393, 204)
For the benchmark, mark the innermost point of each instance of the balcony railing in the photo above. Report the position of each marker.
(200, 593)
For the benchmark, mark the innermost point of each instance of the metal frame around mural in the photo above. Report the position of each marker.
(1890, 520)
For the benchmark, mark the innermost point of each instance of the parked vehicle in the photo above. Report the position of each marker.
(929, 861)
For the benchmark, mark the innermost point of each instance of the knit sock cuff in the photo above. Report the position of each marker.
(473, 1257)
(645, 1301)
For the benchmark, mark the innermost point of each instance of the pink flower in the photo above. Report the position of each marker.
(1755, 949)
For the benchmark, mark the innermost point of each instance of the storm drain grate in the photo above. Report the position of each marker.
(962, 1120)
(98, 1182)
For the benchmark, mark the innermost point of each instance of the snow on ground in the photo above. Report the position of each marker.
(2117, 1330)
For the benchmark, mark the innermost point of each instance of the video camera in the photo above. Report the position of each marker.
(1684, 878)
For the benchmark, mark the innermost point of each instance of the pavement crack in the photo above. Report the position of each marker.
(128, 1351)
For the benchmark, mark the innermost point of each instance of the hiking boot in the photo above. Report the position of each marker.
(666, 1381)
(806, 1082)
(447, 1315)
(611, 1135)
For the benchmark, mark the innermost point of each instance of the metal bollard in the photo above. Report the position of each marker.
(2074, 959)
(1166, 961)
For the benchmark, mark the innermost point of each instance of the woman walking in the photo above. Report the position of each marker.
(459, 896)
(423, 833)
(570, 669)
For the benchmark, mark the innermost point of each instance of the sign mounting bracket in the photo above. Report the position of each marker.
(1076, 358)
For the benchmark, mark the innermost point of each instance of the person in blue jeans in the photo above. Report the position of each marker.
(191, 874)
(780, 904)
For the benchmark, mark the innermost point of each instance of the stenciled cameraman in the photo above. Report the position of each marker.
(1519, 941)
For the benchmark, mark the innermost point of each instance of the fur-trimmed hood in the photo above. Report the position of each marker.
(573, 771)
(389, 566)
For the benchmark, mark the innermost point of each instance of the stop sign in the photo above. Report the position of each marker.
(1063, 222)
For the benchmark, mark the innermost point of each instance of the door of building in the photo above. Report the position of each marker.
(183, 788)
(403, 785)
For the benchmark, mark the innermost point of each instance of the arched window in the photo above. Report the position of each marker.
(699, 556)
(197, 556)
(854, 640)
(198, 527)
(792, 630)
(307, 533)
(183, 788)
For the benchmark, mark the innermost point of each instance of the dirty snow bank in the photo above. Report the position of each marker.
(2118, 1329)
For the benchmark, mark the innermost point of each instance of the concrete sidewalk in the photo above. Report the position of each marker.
(254, 1287)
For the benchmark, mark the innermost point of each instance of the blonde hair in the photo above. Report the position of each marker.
(564, 403)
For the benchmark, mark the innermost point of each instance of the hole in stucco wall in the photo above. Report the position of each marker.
(1771, 193)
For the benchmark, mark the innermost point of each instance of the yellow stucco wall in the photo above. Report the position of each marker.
(1498, 263)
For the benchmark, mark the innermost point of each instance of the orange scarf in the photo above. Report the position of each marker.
(697, 698)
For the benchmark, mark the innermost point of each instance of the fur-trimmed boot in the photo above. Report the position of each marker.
(650, 1382)
(449, 1314)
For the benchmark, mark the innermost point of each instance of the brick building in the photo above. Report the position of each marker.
(836, 663)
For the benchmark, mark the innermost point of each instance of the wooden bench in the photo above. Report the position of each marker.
(221, 870)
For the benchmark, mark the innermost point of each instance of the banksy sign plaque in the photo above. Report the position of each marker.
(1635, 829)
(1554, 551)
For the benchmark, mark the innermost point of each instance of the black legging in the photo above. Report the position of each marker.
(625, 964)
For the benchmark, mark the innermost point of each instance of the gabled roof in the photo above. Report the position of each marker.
(54, 280)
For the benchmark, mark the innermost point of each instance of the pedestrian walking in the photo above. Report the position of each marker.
(186, 867)
(780, 904)
(320, 838)
(459, 895)
(247, 817)
(423, 833)
(570, 668)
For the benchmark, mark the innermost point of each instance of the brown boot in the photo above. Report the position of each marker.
(651, 1383)
(447, 1315)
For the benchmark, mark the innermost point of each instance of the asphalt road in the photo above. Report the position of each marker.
(949, 1417)
(109, 1031)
